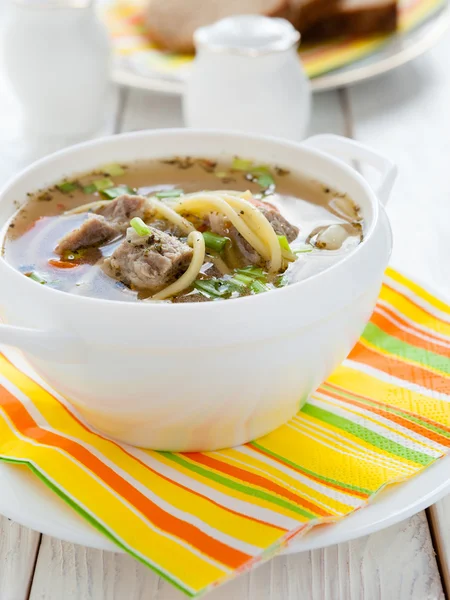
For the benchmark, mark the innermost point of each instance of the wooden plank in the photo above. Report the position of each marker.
(18, 552)
(395, 564)
(439, 519)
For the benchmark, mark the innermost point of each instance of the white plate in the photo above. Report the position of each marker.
(398, 51)
(26, 500)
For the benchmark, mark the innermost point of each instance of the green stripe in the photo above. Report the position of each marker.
(389, 409)
(96, 524)
(302, 469)
(393, 345)
(371, 437)
(230, 483)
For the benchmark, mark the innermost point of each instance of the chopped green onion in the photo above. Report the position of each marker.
(254, 272)
(89, 189)
(284, 243)
(36, 277)
(120, 190)
(265, 180)
(140, 227)
(221, 174)
(260, 170)
(302, 250)
(114, 170)
(67, 187)
(245, 279)
(169, 194)
(281, 281)
(207, 287)
(103, 184)
(237, 283)
(240, 164)
(257, 287)
(214, 241)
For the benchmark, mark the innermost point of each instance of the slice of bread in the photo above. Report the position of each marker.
(355, 17)
(171, 23)
(306, 13)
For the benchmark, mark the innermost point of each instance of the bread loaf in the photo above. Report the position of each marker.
(172, 23)
(354, 17)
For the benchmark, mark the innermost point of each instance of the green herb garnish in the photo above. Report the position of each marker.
(114, 170)
(240, 164)
(36, 277)
(67, 186)
(257, 287)
(255, 272)
(140, 227)
(116, 192)
(284, 243)
(103, 184)
(89, 189)
(215, 242)
(265, 180)
(169, 194)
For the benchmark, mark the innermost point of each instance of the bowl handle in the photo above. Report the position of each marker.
(47, 345)
(348, 149)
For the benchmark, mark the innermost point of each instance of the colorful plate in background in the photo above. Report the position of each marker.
(342, 62)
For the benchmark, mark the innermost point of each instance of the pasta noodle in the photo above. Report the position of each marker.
(171, 215)
(91, 206)
(248, 221)
(195, 239)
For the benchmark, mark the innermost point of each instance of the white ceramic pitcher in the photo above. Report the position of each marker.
(57, 57)
(247, 76)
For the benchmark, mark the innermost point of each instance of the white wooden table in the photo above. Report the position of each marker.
(407, 116)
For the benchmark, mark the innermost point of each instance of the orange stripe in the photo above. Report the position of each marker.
(254, 479)
(427, 433)
(147, 467)
(297, 468)
(393, 329)
(421, 417)
(437, 337)
(399, 369)
(25, 424)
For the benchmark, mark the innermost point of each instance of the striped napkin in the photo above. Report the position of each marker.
(135, 51)
(199, 519)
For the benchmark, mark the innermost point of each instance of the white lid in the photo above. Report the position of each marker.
(251, 35)
(54, 3)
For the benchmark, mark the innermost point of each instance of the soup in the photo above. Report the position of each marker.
(181, 230)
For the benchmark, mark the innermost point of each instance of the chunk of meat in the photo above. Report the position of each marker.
(220, 225)
(280, 225)
(120, 211)
(93, 232)
(149, 262)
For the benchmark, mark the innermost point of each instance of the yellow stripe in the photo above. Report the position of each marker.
(168, 554)
(413, 312)
(222, 520)
(310, 454)
(419, 291)
(357, 382)
(359, 447)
